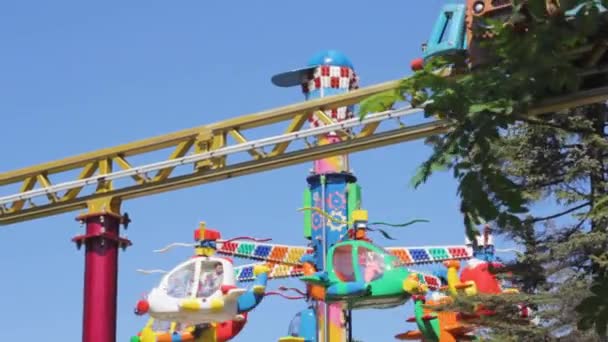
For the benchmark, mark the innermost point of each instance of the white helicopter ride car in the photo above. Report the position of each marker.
(200, 290)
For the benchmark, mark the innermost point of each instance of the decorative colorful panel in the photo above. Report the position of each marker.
(307, 214)
(434, 283)
(329, 197)
(353, 198)
(244, 273)
(289, 255)
(429, 255)
(331, 164)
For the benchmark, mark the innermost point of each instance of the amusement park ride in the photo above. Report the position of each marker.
(203, 299)
(475, 278)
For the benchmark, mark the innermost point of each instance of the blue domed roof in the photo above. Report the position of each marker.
(330, 57)
(296, 77)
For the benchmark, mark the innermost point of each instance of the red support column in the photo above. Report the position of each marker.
(102, 240)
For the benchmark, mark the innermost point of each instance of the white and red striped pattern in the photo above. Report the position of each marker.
(332, 77)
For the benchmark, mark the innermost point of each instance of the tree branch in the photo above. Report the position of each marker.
(553, 125)
(543, 185)
(538, 219)
(576, 191)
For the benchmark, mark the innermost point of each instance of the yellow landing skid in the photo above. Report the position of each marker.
(291, 339)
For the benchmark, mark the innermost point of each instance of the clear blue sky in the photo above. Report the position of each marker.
(75, 77)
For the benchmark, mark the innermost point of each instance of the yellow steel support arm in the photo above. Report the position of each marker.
(213, 137)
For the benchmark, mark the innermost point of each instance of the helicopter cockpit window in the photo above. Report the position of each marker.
(294, 325)
(343, 263)
(161, 325)
(210, 279)
(372, 263)
(179, 284)
(180, 326)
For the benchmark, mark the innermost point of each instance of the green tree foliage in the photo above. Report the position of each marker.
(508, 162)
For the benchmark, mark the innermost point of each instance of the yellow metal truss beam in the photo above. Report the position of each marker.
(201, 133)
(215, 136)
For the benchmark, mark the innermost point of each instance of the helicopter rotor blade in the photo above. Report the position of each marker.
(150, 271)
(175, 244)
(398, 224)
(245, 238)
(331, 218)
(381, 231)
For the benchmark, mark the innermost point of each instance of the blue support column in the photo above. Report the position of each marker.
(327, 73)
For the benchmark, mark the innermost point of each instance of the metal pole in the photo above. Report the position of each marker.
(350, 325)
(101, 242)
(324, 228)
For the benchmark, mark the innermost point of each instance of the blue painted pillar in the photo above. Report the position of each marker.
(331, 186)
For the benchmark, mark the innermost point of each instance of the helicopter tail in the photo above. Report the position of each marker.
(317, 278)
